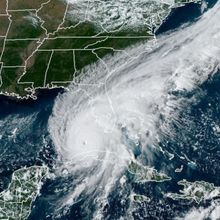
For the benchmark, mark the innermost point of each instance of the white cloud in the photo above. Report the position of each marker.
(87, 120)
(110, 15)
(212, 212)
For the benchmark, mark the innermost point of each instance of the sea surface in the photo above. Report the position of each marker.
(25, 141)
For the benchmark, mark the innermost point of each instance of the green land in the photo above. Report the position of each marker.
(42, 46)
(142, 174)
(16, 201)
(197, 191)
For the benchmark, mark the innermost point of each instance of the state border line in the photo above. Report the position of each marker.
(81, 37)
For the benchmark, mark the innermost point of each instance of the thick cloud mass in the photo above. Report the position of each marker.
(118, 15)
(133, 96)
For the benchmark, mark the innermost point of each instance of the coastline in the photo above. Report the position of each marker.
(174, 19)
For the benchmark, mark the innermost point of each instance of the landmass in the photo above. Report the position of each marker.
(139, 198)
(46, 44)
(143, 174)
(197, 191)
(16, 201)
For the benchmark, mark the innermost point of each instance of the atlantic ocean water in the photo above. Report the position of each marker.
(25, 141)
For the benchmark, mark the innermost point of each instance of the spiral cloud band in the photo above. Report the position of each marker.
(121, 103)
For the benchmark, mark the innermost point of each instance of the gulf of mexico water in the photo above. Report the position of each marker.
(25, 141)
(23, 133)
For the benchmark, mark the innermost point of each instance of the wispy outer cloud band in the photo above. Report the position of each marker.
(88, 120)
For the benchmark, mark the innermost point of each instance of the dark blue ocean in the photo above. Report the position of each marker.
(25, 141)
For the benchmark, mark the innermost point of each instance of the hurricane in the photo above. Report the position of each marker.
(120, 108)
